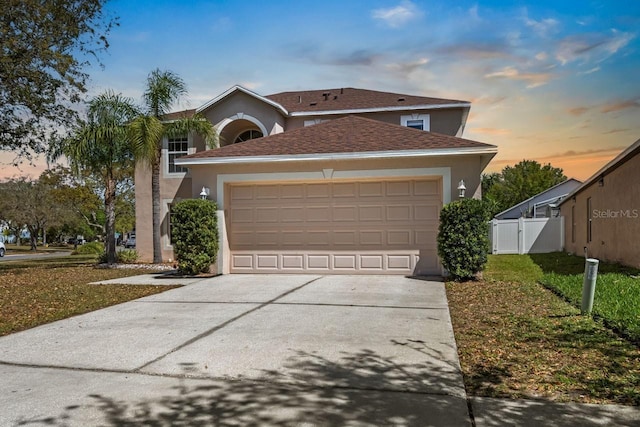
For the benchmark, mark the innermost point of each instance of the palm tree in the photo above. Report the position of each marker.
(101, 145)
(163, 90)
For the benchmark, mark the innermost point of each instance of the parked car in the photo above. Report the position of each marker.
(77, 241)
(2, 248)
(130, 243)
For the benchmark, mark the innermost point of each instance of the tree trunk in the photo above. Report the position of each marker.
(110, 223)
(33, 238)
(155, 196)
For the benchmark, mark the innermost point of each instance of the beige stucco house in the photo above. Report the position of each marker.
(327, 181)
(603, 214)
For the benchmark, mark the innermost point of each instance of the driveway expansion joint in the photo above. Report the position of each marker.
(312, 304)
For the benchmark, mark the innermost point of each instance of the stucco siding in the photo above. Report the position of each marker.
(614, 214)
(239, 105)
(461, 167)
(446, 121)
(170, 189)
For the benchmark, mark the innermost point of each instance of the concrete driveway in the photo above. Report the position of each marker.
(245, 350)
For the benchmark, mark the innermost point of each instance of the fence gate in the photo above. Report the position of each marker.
(526, 235)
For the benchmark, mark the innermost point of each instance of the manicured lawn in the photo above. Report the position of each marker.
(25, 248)
(518, 339)
(617, 296)
(41, 291)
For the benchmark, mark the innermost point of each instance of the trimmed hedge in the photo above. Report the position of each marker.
(194, 230)
(463, 237)
(127, 256)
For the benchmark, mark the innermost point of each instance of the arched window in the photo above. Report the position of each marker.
(247, 135)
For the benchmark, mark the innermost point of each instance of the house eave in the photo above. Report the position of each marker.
(379, 109)
(486, 152)
(626, 154)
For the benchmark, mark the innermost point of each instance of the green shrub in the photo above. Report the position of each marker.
(463, 238)
(91, 248)
(127, 256)
(194, 230)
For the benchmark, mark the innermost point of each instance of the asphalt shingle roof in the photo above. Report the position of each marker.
(350, 99)
(350, 134)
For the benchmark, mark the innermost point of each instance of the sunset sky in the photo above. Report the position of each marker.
(552, 81)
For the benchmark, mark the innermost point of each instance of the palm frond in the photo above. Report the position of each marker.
(164, 88)
(196, 124)
(145, 134)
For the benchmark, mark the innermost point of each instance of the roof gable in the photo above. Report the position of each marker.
(356, 100)
(238, 88)
(351, 134)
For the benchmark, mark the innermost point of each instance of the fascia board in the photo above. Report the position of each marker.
(620, 158)
(378, 109)
(339, 156)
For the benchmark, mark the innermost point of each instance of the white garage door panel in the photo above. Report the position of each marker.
(343, 227)
(325, 262)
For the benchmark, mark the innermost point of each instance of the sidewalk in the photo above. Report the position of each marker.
(490, 412)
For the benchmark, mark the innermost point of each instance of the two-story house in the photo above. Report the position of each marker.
(324, 181)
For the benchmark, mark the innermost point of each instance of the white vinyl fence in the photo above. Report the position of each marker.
(526, 235)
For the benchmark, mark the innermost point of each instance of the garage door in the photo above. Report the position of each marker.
(387, 227)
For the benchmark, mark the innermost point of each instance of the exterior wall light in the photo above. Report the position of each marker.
(204, 194)
(461, 189)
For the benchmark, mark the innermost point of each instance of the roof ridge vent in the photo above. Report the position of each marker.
(326, 95)
(400, 99)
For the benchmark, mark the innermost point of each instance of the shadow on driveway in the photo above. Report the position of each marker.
(364, 388)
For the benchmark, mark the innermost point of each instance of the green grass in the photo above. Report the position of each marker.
(617, 295)
(34, 292)
(518, 339)
(512, 268)
(65, 260)
(25, 248)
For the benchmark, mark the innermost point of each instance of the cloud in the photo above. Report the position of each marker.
(578, 111)
(316, 55)
(406, 68)
(356, 57)
(542, 27)
(251, 85)
(491, 131)
(615, 131)
(397, 16)
(591, 71)
(541, 56)
(475, 51)
(488, 100)
(511, 73)
(620, 105)
(577, 153)
(591, 47)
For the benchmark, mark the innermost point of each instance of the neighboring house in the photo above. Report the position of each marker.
(602, 216)
(542, 205)
(326, 181)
